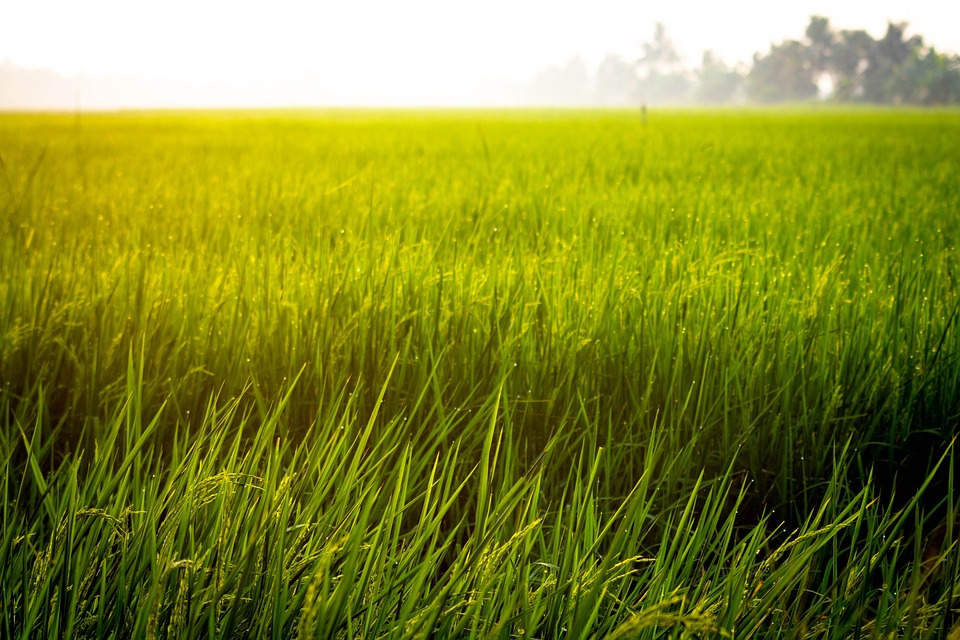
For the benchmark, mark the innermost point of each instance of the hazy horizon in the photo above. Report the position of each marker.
(375, 53)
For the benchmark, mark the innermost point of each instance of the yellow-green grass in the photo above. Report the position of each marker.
(474, 374)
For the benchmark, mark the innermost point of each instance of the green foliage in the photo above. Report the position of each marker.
(479, 375)
(892, 70)
(783, 74)
(716, 82)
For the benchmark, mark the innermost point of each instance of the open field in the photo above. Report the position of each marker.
(518, 374)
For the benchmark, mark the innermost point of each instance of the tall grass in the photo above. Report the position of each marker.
(473, 375)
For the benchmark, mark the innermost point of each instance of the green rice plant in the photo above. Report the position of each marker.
(474, 374)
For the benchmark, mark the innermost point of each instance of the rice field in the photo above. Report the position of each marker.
(453, 374)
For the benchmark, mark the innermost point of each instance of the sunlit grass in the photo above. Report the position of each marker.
(480, 374)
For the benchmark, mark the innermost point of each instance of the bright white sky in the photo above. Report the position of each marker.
(407, 51)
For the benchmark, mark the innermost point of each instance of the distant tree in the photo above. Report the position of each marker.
(896, 69)
(937, 79)
(659, 55)
(887, 77)
(716, 82)
(662, 78)
(567, 85)
(785, 74)
(820, 40)
(616, 81)
(849, 60)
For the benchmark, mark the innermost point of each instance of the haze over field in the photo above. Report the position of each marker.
(373, 52)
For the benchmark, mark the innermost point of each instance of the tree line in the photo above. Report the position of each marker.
(848, 66)
(845, 66)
